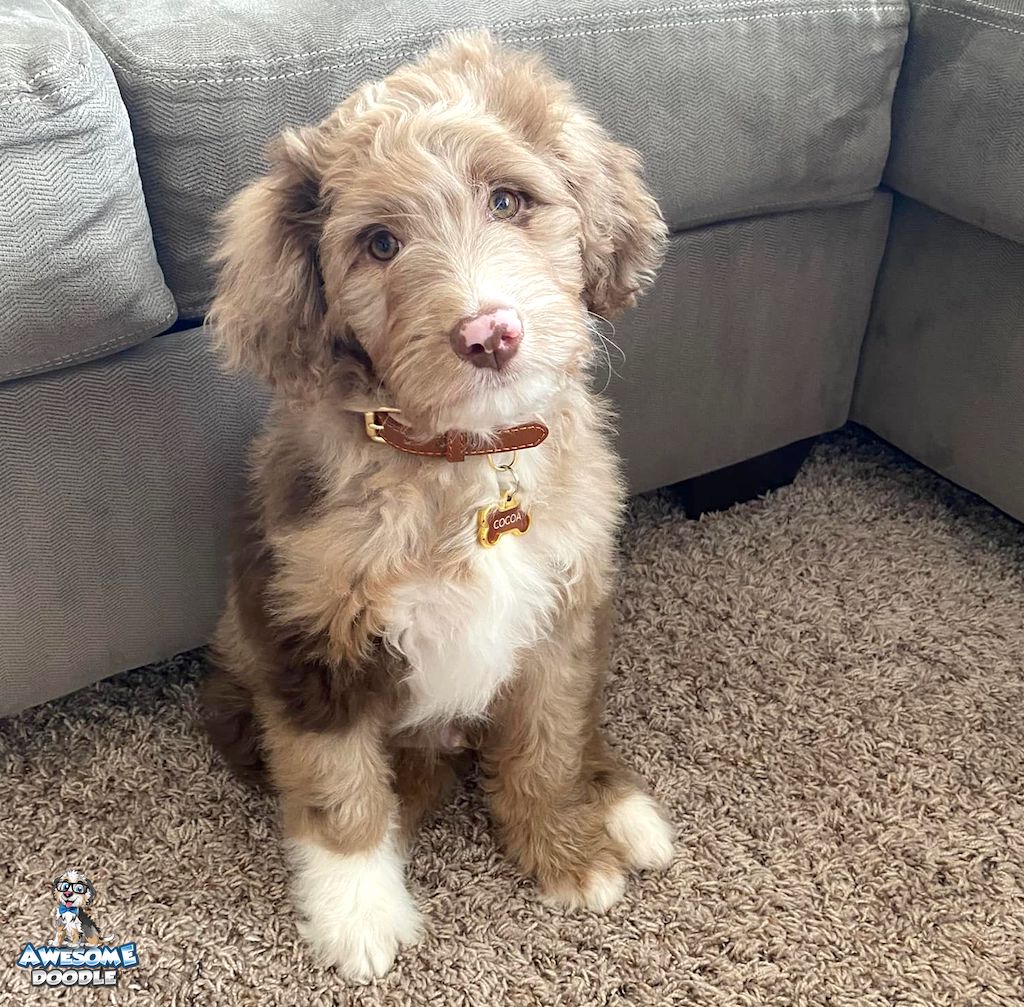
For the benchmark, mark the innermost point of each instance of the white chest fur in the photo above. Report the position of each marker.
(461, 638)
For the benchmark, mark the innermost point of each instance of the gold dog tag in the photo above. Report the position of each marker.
(506, 518)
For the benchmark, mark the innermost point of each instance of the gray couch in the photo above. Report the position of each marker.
(847, 209)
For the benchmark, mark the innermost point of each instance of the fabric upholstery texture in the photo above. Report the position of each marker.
(958, 116)
(737, 107)
(116, 480)
(942, 373)
(749, 340)
(823, 686)
(77, 265)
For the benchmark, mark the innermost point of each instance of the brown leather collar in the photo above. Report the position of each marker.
(453, 445)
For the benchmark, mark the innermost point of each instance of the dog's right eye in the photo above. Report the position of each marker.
(383, 245)
(503, 204)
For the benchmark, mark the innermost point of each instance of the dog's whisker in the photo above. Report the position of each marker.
(595, 328)
(615, 346)
(603, 342)
(599, 344)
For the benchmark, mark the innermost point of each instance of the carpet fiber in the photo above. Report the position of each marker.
(824, 686)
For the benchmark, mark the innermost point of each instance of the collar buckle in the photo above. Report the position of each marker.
(375, 427)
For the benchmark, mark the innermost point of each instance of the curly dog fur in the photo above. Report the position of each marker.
(367, 636)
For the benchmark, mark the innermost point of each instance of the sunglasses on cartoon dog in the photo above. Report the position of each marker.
(67, 886)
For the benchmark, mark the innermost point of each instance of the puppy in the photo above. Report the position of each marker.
(413, 582)
(72, 892)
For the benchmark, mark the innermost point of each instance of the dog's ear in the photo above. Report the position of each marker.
(623, 234)
(268, 311)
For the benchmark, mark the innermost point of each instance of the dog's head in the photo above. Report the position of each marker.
(448, 229)
(73, 890)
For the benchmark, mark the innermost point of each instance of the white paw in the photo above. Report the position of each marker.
(599, 894)
(637, 824)
(354, 911)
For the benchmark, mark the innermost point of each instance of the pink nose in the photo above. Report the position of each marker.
(490, 339)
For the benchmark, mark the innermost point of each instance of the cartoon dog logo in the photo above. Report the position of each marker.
(72, 892)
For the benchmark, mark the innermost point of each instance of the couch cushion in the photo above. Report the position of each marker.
(737, 107)
(80, 275)
(958, 117)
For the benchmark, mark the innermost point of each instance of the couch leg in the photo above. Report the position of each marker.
(743, 481)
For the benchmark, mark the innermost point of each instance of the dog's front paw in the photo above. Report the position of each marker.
(598, 891)
(354, 911)
(641, 829)
(364, 947)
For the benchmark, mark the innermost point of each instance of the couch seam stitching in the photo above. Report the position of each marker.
(615, 30)
(992, 7)
(69, 357)
(37, 96)
(80, 67)
(22, 96)
(254, 61)
(967, 17)
(50, 66)
(73, 30)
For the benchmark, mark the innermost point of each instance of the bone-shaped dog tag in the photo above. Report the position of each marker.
(506, 518)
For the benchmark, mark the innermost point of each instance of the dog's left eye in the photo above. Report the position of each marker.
(383, 245)
(503, 204)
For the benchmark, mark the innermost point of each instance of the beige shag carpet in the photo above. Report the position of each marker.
(824, 686)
